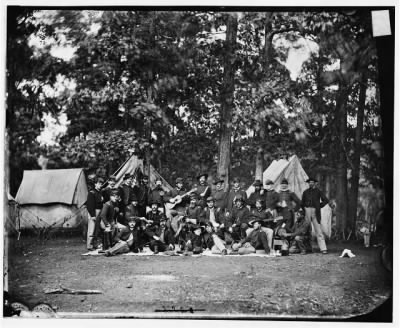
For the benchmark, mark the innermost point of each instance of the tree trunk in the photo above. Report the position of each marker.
(341, 167)
(355, 174)
(228, 87)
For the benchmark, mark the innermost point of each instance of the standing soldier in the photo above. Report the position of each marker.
(112, 180)
(203, 189)
(285, 204)
(233, 193)
(94, 205)
(107, 218)
(271, 199)
(143, 195)
(219, 195)
(124, 192)
(257, 194)
(312, 201)
(157, 195)
(177, 198)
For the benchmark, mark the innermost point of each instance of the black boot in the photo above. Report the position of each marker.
(155, 249)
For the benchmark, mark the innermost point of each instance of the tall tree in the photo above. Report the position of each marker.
(227, 97)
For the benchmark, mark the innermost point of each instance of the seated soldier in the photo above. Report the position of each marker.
(300, 238)
(256, 240)
(126, 238)
(181, 223)
(161, 238)
(259, 213)
(212, 241)
(240, 219)
(195, 241)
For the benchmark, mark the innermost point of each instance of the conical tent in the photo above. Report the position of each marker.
(134, 165)
(293, 171)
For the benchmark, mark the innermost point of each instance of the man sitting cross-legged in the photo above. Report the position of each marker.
(127, 238)
(300, 238)
(161, 237)
(256, 240)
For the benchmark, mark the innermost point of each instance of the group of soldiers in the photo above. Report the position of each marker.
(133, 216)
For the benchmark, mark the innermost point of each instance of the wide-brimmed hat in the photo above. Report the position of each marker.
(155, 202)
(210, 199)
(218, 180)
(145, 177)
(112, 178)
(311, 179)
(114, 192)
(257, 183)
(239, 197)
(133, 197)
(99, 180)
(197, 226)
(194, 197)
(179, 180)
(255, 219)
(202, 175)
(127, 176)
(269, 182)
(236, 179)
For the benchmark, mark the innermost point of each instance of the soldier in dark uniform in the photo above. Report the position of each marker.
(161, 237)
(233, 193)
(271, 199)
(182, 224)
(257, 194)
(125, 194)
(154, 215)
(240, 218)
(312, 201)
(203, 189)
(132, 210)
(220, 195)
(256, 240)
(157, 195)
(94, 204)
(143, 195)
(286, 208)
(127, 238)
(112, 180)
(172, 196)
(107, 218)
(300, 237)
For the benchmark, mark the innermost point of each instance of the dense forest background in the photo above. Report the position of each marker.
(193, 91)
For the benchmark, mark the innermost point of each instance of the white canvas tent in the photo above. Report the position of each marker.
(293, 171)
(52, 198)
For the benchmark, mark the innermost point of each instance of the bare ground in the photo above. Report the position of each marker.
(316, 285)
